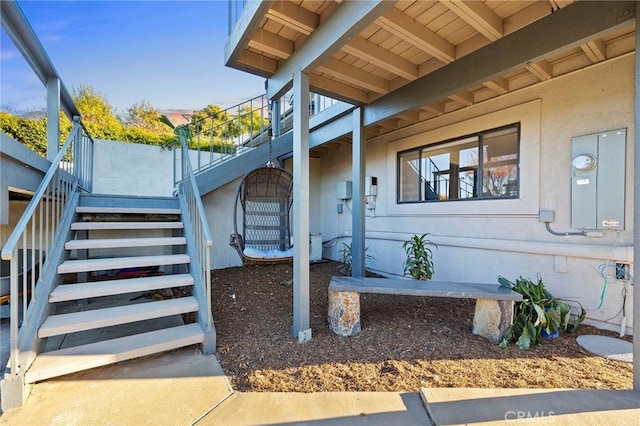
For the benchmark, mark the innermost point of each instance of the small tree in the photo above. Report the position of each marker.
(419, 262)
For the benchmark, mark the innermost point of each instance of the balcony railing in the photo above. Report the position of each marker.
(223, 135)
(235, 10)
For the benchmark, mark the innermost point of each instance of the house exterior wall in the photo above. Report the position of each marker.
(479, 240)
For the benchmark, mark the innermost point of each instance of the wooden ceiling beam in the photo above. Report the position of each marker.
(557, 4)
(479, 16)
(372, 131)
(355, 76)
(409, 116)
(463, 98)
(253, 60)
(565, 29)
(345, 23)
(537, 10)
(370, 52)
(499, 85)
(247, 23)
(272, 44)
(420, 36)
(595, 50)
(541, 69)
(323, 85)
(391, 124)
(435, 108)
(293, 16)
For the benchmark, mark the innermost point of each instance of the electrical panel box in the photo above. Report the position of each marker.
(370, 186)
(598, 180)
(344, 190)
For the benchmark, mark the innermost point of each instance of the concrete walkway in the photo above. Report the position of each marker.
(184, 387)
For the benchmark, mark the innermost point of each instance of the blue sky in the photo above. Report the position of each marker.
(169, 53)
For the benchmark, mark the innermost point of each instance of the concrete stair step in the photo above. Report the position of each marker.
(94, 226)
(66, 292)
(126, 210)
(124, 242)
(79, 358)
(56, 325)
(110, 263)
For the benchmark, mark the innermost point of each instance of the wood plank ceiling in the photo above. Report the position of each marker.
(411, 40)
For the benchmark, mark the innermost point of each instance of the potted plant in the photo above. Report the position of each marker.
(419, 262)
(346, 254)
(539, 315)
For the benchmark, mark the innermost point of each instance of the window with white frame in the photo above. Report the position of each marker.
(479, 166)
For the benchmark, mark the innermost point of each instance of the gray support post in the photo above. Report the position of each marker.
(53, 117)
(636, 220)
(301, 206)
(358, 218)
(4, 203)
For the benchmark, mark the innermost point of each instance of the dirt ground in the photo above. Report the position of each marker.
(406, 343)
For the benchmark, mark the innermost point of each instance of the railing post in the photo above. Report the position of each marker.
(14, 311)
(53, 117)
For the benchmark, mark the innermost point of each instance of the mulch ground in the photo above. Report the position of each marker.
(406, 343)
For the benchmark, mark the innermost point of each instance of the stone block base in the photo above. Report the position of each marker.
(344, 312)
(492, 318)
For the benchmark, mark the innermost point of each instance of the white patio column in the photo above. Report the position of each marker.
(301, 206)
(358, 218)
(636, 219)
(53, 117)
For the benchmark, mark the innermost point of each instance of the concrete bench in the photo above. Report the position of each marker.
(494, 304)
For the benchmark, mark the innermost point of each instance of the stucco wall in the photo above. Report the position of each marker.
(135, 169)
(479, 240)
(132, 169)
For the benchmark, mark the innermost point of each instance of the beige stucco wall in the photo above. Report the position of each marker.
(479, 240)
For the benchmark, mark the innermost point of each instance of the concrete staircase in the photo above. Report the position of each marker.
(127, 253)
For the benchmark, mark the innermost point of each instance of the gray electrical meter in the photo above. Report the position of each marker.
(598, 180)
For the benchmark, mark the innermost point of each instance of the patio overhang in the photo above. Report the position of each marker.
(411, 61)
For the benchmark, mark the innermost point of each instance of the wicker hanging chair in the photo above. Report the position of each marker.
(264, 200)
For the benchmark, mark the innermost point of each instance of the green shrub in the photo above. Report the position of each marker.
(538, 311)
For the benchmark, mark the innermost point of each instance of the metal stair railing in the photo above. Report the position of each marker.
(236, 130)
(224, 134)
(39, 229)
(198, 235)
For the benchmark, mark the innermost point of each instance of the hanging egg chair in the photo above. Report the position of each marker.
(263, 202)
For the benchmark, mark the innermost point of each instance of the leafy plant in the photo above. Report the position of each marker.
(345, 252)
(419, 262)
(538, 313)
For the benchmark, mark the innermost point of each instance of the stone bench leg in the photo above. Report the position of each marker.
(492, 318)
(344, 312)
